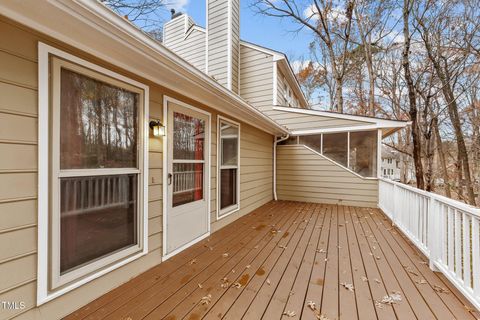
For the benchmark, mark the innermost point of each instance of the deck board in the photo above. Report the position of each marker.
(283, 255)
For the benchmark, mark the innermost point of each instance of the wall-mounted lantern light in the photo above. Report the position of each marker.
(157, 127)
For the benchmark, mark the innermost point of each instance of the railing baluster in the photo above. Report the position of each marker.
(476, 256)
(458, 244)
(466, 250)
(451, 253)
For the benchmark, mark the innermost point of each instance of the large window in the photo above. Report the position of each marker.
(363, 153)
(228, 166)
(335, 146)
(356, 150)
(96, 173)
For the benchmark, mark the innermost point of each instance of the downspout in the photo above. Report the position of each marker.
(275, 163)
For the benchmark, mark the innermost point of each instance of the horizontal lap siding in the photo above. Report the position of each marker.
(256, 168)
(191, 47)
(18, 186)
(18, 180)
(256, 77)
(303, 175)
(217, 40)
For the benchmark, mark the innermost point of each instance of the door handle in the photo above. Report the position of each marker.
(169, 179)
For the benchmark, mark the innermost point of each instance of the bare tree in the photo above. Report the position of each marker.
(412, 99)
(332, 25)
(436, 26)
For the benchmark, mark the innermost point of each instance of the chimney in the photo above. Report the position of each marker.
(223, 42)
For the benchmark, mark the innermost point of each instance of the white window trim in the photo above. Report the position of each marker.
(222, 213)
(44, 294)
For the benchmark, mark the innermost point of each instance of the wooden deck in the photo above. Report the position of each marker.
(271, 263)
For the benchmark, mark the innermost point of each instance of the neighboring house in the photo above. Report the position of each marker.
(390, 165)
(94, 193)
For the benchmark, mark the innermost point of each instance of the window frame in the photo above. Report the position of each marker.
(50, 283)
(225, 212)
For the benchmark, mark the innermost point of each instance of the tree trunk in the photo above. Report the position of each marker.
(417, 148)
(441, 157)
(339, 94)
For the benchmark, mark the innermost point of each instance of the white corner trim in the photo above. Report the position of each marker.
(236, 208)
(229, 44)
(275, 83)
(166, 100)
(206, 37)
(43, 269)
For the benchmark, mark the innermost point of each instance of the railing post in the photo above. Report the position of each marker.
(395, 204)
(434, 233)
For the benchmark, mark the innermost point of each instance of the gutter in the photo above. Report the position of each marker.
(275, 163)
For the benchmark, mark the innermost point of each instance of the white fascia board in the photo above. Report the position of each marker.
(380, 123)
(92, 27)
(274, 54)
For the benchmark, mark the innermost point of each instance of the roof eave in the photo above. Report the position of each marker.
(92, 27)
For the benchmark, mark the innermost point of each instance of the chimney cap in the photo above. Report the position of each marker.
(175, 14)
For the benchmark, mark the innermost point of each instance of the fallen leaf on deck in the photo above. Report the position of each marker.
(440, 289)
(364, 279)
(200, 286)
(236, 285)
(291, 293)
(421, 281)
(321, 251)
(225, 255)
(377, 257)
(322, 317)
(377, 281)
(206, 300)
(348, 286)
(311, 305)
(256, 247)
(378, 304)
(411, 270)
(193, 261)
(248, 266)
(290, 314)
(225, 283)
(268, 281)
(392, 298)
(283, 247)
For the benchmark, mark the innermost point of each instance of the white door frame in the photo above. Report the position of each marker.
(166, 100)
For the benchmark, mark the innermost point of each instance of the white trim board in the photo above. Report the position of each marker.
(237, 207)
(166, 255)
(43, 269)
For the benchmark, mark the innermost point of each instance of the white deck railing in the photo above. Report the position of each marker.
(445, 230)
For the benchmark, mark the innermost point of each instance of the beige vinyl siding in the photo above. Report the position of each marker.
(301, 121)
(256, 80)
(235, 44)
(217, 40)
(188, 44)
(18, 179)
(256, 168)
(303, 175)
(282, 94)
(174, 31)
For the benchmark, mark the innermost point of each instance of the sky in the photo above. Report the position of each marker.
(266, 31)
